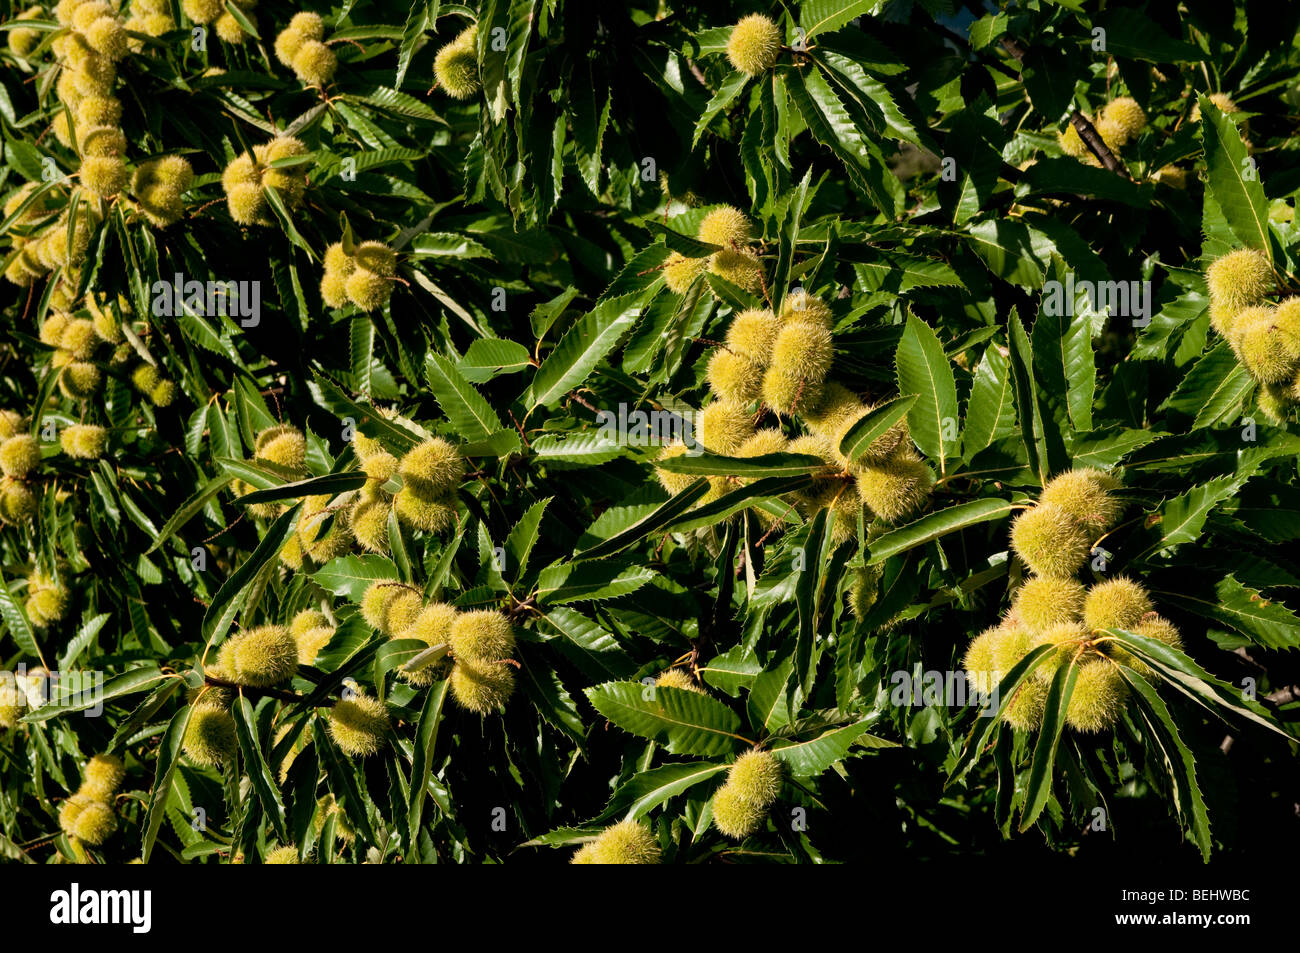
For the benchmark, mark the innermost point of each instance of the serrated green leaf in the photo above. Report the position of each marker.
(684, 722)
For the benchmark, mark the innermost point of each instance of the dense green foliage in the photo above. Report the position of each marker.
(383, 554)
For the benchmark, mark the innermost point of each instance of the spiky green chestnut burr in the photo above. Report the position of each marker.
(1288, 316)
(1127, 117)
(1087, 495)
(11, 423)
(845, 505)
(741, 268)
(978, 661)
(376, 257)
(1050, 541)
(11, 706)
(1045, 601)
(1112, 134)
(1237, 280)
(433, 468)
(103, 320)
(327, 807)
(481, 688)
(757, 776)
(799, 307)
(734, 378)
(283, 445)
(735, 816)
(359, 725)
(754, 44)
(420, 512)
(367, 290)
(379, 467)
(99, 111)
(79, 338)
(389, 607)
(824, 487)
(314, 63)
(896, 488)
(283, 855)
(47, 599)
(1161, 629)
(1025, 713)
(84, 441)
(260, 657)
(88, 820)
(837, 405)
(1068, 638)
(51, 332)
(247, 205)
(673, 483)
(107, 37)
(202, 11)
(722, 427)
(763, 442)
(369, 520)
(402, 611)
(1266, 345)
(45, 605)
(320, 544)
(726, 226)
(210, 735)
(1006, 646)
(864, 589)
(102, 777)
(158, 186)
(432, 627)
(787, 394)
(752, 334)
(302, 27)
(23, 41)
(680, 272)
(1098, 697)
(455, 67)
(79, 380)
(17, 502)
(105, 176)
(19, 455)
(679, 678)
(626, 842)
(481, 635)
(375, 602)
(1072, 143)
(306, 620)
(836, 414)
(311, 632)
(804, 351)
(64, 11)
(1117, 603)
(163, 393)
(740, 806)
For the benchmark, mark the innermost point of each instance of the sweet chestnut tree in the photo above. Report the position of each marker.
(648, 432)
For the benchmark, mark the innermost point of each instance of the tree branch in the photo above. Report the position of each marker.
(1092, 139)
(249, 690)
